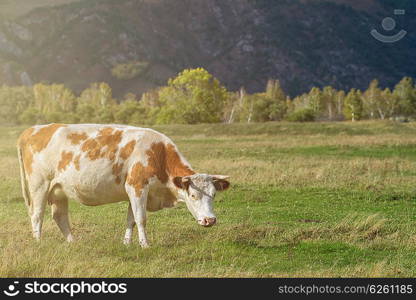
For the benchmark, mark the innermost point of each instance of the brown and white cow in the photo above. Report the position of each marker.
(99, 164)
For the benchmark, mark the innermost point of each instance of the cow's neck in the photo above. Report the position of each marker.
(176, 165)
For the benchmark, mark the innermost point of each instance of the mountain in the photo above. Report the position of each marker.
(13, 8)
(303, 43)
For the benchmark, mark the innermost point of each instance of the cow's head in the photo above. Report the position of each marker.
(198, 192)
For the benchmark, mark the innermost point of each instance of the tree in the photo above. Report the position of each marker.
(339, 102)
(275, 100)
(388, 104)
(55, 103)
(130, 111)
(231, 107)
(194, 96)
(328, 101)
(300, 102)
(405, 93)
(371, 100)
(96, 104)
(14, 101)
(315, 100)
(353, 105)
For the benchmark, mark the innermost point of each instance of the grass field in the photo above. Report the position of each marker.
(317, 199)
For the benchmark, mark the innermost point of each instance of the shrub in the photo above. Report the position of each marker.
(29, 116)
(129, 111)
(129, 70)
(302, 115)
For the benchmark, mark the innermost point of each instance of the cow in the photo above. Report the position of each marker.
(98, 164)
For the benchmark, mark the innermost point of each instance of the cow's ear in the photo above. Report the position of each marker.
(182, 182)
(220, 182)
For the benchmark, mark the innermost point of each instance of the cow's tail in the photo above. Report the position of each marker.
(23, 179)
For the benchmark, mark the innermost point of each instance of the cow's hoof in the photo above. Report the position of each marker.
(36, 236)
(144, 245)
(127, 242)
(70, 239)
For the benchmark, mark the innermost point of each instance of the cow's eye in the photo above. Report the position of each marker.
(193, 196)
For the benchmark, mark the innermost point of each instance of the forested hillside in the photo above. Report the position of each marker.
(136, 45)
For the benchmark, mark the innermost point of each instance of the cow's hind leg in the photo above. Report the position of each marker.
(138, 203)
(130, 226)
(39, 196)
(59, 205)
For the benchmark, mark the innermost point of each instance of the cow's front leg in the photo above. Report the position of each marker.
(130, 226)
(138, 201)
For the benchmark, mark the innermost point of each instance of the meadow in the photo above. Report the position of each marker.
(307, 200)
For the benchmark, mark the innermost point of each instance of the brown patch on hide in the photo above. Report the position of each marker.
(77, 138)
(105, 145)
(139, 177)
(162, 162)
(127, 150)
(30, 143)
(66, 158)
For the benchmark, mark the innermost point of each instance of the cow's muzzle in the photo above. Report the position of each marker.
(207, 222)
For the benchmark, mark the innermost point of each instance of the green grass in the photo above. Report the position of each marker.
(379, 151)
(318, 199)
